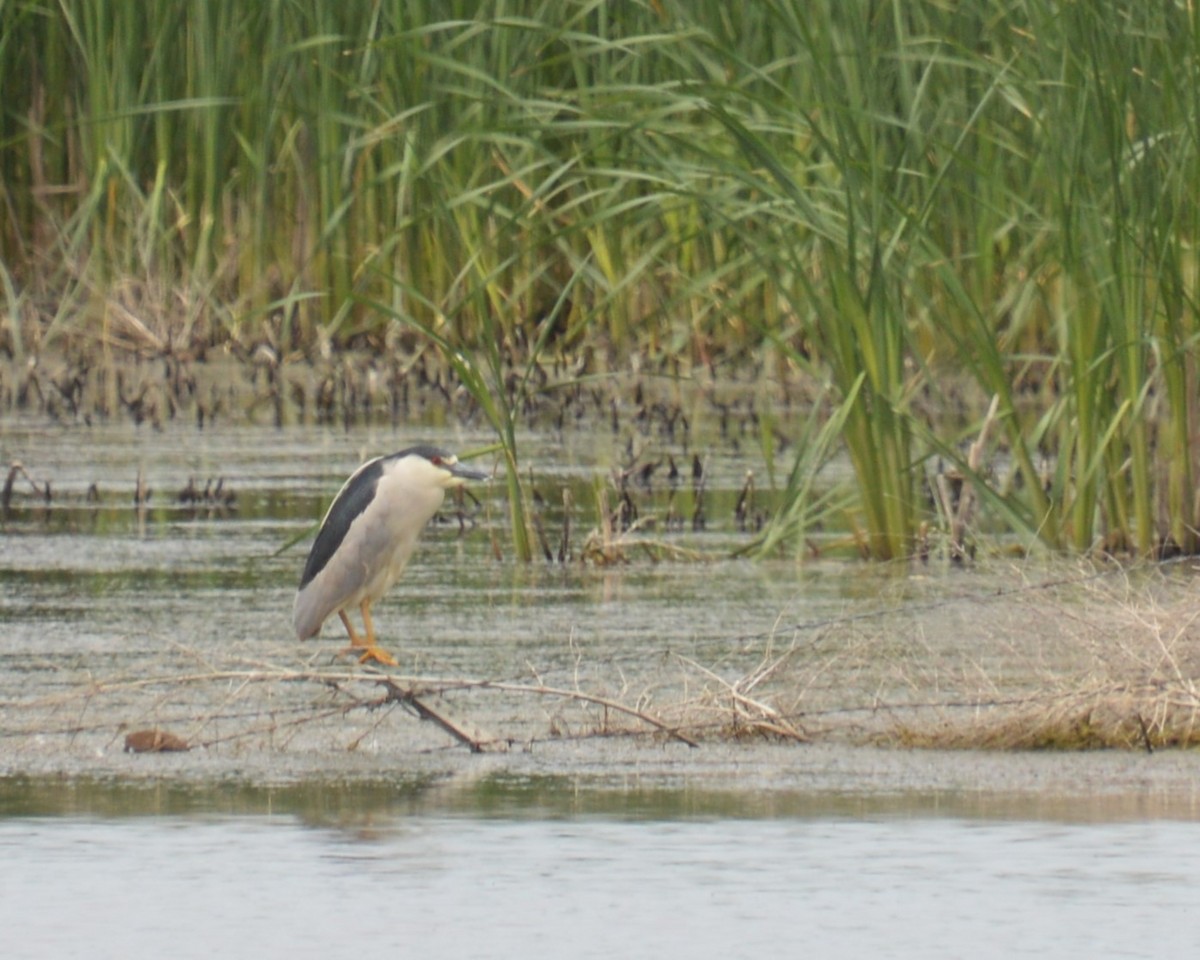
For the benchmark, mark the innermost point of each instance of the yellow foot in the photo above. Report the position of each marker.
(372, 653)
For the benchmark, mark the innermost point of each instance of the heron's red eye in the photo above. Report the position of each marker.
(436, 461)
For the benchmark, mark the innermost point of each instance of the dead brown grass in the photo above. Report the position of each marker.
(1124, 676)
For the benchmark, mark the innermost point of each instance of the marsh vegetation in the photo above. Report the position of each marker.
(928, 269)
(922, 212)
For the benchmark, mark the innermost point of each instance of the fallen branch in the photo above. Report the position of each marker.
(397, 694)
(411, 691)
(648, 718)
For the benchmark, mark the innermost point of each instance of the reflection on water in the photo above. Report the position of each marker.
(450, 887)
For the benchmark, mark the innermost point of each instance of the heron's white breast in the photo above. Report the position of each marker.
(393, 523)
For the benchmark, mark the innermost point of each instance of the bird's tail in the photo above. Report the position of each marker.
(306, 620)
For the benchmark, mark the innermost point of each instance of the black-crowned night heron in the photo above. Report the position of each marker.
(367, 536)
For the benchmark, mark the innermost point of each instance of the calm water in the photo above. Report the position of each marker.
(285, 836)
(458, 887)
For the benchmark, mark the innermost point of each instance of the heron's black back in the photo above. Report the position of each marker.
(351, 500)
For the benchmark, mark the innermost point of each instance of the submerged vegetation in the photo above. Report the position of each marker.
(955, 222)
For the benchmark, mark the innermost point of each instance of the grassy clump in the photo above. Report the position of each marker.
(1108, 665)
(1119, 718)
(886, 198)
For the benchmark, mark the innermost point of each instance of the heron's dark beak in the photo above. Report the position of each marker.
(466, 473)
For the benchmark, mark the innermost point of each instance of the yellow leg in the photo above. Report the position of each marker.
(354, 638)
(367, 648)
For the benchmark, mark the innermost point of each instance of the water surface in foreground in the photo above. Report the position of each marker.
(896, 884)
(836, 852)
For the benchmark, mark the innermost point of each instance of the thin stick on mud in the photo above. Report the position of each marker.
(415, 695)
(648, 718)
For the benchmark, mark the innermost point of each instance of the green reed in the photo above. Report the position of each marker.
(924, 206)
